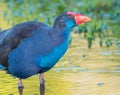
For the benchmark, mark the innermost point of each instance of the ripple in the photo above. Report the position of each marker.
(116, 52)
(80, 69)
(107, 53)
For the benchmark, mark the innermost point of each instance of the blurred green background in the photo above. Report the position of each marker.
(92, 64)
(105, 15)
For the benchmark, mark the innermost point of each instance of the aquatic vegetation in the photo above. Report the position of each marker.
(104, 14)
(89, 72)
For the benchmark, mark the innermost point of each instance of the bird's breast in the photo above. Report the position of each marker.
(53, 57)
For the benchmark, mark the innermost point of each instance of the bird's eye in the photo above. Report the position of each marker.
(61, 20)
(70, 17)
(61, 23)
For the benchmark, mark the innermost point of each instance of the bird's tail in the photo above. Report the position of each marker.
(2, 67)
(1, 36)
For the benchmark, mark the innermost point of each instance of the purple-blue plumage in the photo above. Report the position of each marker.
(32, 47)
(11, 38)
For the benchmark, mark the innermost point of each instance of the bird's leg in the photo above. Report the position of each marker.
(42, 84)
(20, 87)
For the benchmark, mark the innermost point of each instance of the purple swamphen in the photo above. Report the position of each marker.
(33, 48)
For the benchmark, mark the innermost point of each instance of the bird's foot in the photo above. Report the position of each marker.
(20, 87)
(42, 89)
(42, 84)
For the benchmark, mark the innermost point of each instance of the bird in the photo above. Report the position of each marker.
(30, 48)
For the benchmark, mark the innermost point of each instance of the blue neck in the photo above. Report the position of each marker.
(70, 24)
(53, 57)
(61, 36)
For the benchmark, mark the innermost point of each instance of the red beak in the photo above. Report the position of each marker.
(79, 18)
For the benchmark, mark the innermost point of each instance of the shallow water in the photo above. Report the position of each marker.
(79, 72)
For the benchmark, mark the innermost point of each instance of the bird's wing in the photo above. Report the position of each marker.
(21, 59)
(11, 38)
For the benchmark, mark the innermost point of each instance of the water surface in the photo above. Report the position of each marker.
(79, 72)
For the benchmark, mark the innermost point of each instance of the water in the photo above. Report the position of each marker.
(93, 74)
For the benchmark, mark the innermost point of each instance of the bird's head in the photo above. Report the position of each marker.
(70, 19)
